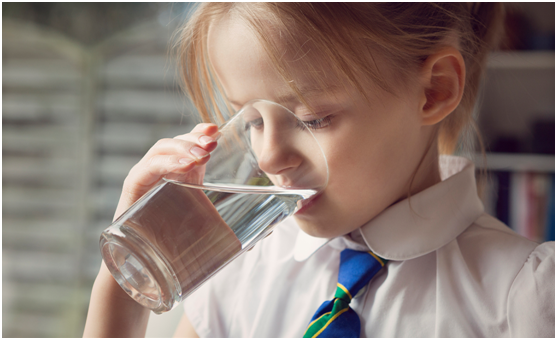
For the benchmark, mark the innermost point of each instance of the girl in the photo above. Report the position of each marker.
(387, 88)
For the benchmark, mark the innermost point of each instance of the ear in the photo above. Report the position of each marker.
(444, 74)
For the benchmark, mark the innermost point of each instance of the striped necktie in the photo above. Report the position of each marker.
(335, 318)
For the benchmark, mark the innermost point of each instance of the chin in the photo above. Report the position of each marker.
(320, 230)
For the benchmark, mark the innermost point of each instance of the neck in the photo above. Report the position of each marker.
(427, 173)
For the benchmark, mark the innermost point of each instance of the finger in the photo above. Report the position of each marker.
(148, 172)
(185, 145)
(204, 141)
(170, 155)
(206, 128)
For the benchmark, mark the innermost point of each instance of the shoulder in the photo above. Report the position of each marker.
(531, 302)
(490, 253)
(492, 242)
(495, 250)
(523, 269)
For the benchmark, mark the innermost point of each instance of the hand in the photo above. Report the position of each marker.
(184, 155)
(112, 312)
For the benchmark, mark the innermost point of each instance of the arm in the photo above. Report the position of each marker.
(185, 329)
(112, 312)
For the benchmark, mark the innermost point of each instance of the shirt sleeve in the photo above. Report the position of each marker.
(531, 302)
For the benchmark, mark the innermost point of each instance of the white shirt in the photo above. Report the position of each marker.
(454, 271)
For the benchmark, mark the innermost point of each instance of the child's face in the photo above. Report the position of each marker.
(372, 149)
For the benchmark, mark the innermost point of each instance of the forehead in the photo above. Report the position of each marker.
(246, 71)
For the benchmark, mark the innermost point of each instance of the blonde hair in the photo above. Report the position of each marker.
(347, 35)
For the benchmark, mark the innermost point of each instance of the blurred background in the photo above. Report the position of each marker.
(88, 88)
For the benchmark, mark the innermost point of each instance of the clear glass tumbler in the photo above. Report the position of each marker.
(266, 166)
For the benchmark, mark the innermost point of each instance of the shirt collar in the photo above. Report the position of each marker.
(413, 227)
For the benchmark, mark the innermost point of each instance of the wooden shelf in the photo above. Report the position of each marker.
(525, 60)
(517, 162)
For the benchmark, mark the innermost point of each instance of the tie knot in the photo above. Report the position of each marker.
(342, 293)
(355, 271)
(335, 318)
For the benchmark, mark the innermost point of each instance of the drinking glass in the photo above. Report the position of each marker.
(266, 166)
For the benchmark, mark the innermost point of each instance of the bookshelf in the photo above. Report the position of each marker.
(517, 97)
(521, 60)
(516, 162)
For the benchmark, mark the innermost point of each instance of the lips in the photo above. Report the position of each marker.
(300, 178)
(304, 205)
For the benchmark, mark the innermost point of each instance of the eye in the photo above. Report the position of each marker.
(317, 123)
(255, 123)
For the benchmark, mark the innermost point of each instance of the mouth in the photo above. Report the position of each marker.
(304, 205)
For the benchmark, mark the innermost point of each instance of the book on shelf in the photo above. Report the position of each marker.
(525, 201)
(550, 220)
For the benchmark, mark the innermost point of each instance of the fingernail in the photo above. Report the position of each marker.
(198, 152)
(206, 140)
(186, 161)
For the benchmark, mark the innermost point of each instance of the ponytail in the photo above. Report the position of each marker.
(483, 35)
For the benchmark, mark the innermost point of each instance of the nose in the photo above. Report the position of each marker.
(276, 153)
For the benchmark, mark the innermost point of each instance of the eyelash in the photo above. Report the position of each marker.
(317, 123)
(312, 124)
(252, 123)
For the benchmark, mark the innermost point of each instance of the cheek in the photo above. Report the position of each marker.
(368, 155)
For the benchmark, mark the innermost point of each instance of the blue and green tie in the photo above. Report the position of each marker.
(335, 318)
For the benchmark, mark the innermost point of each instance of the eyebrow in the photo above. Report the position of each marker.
(288, 96)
